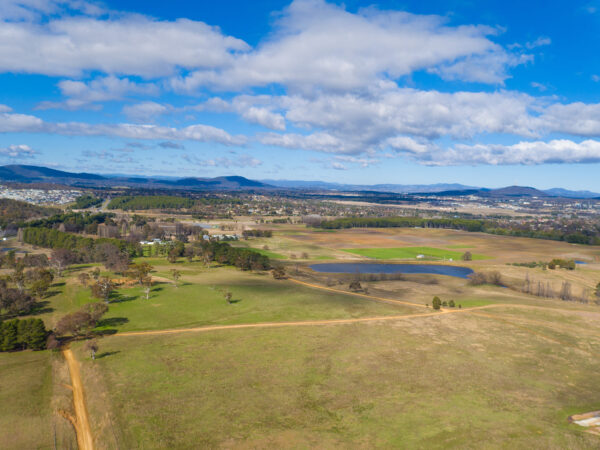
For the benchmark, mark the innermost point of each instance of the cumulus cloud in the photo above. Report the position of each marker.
(560, 151)
(145, 111)
(317, 44)
(17, 123)
(20, 151)
(82, 94)
(126, 45)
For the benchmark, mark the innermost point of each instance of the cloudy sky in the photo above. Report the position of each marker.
(487, 93)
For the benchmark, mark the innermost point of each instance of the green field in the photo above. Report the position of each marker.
(410, 253)
(25, 395)
(199, 300)
(458, 381)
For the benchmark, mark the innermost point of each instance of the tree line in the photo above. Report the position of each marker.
(139, 202)
(471, 225)
(87, 201)
(84, 246)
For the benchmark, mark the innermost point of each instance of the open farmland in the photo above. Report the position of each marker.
(461, 380)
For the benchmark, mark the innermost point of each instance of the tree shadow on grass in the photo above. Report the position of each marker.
(56, 285)
(120, 298)
(42, 308)
(113, 322)
(105, 354)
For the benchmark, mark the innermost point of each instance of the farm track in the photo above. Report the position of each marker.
(84, 435)
(82, 424)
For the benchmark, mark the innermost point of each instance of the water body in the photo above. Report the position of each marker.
(436, 269)
(580, 262)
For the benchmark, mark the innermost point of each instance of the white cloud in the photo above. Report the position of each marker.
(317, 44)
(560, 151)
(145, 111)
(20, 123)
(539, 42)
(18, 151)
(81, 94)
(127, 45)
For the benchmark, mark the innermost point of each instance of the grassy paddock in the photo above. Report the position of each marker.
(410, 253)
(25, 395)
(452, 381)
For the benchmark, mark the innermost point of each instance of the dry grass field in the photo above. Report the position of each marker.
(375, 368)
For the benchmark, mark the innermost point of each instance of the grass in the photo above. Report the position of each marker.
(452, 381)
(410, 253)
(199, 300)
(25, 396)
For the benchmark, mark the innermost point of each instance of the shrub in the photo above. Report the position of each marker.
(436, 303)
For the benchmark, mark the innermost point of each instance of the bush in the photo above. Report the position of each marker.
(436, 303)
(451, 304)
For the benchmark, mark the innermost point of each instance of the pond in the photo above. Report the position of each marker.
(436, 269)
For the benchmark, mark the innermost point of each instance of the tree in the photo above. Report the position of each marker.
(228, 296)
(172, 255)
(40, 281)
(96, 273)
(279, 273)
(189, 254)
(61, 259)
(565, 291)
(176, 275)
(467, 256)
(84, 278)
(95, 310)
(103, 288)
(436, 303)
(147, 284)
(355, 286)
(18, 278)
(92, 347)
(79, 323)
(598, 290)
(451, 304)
(140, 271)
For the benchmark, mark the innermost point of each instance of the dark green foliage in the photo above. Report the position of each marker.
(50, 238)
(22, 334)
(242, 258)
(257, 233)
(451, 304)
(87, 201)
(562, 263)
(150, 202)
(436, 303)
(16, 212)
(473, 225)
(404, 222)
(74, 222)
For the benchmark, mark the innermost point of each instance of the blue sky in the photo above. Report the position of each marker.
(487, 93)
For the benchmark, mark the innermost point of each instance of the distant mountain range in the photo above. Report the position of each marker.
(37, 174)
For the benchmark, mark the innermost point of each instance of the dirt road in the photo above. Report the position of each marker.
(82, 424)
(357, 294)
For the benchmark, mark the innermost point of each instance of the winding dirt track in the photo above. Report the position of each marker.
(84, 435)
(82, 424)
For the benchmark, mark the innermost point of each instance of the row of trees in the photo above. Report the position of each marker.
(575, 237)
(437, 303)
(24, 334)
(87, 201)
(140, 202)
(257, 233)
(222, 253)
(403, 222)
(85, 247)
